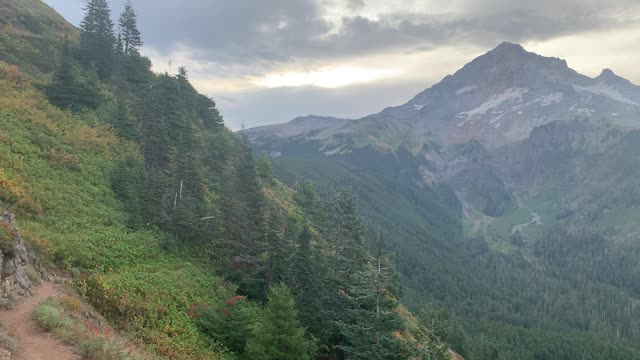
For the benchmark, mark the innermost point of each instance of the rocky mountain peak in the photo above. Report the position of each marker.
(496, 99)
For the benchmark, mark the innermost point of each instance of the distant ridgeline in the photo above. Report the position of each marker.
(130, 181)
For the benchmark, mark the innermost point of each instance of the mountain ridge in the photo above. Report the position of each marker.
(497, 99)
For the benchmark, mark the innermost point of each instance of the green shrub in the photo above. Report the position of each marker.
(47, 316)
(100, 349)
(7, 341)
(7, 245)
(71, 303)
(71, 335)
(33, 275)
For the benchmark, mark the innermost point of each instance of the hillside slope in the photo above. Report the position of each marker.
(31, 35)
(54, 172)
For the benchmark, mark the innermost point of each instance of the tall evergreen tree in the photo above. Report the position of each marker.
(278, 335)
(347, 239)
(67, 90)
(277, 249)
(96, 37)
(243, 206)
(63, 91)
(131, 39)
(306, 284)
(370, 323)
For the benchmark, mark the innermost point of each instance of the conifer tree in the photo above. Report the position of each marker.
(277, 249)
(63, 90)
(67, 90)
(131, 39)
(306, 285)
(370, 323)
(347, 238)
(243, 206)
(278, 335)
(96, 37)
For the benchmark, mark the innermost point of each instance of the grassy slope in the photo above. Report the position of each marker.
(54, 173)
(30, 35)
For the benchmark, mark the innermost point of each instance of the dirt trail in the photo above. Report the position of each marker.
(34, 344)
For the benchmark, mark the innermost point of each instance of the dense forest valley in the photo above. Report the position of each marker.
(198, 242)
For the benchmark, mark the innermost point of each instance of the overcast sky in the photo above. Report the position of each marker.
(268, 61)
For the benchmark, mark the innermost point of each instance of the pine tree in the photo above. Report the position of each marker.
(188, 202)
(306, 283)
(63, 90)
(347, 238)
(67, 90)
(278, 335)
(96, 37)
(309, 201)
(278, 251)
(123, 122)
(131, 39)
(370, 323)
(243, 206)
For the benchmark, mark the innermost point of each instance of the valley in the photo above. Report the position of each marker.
(533, 162)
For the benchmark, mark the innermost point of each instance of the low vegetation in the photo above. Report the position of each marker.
(7, 341)
(66, 318)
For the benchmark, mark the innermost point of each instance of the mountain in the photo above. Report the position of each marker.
(497, 98)
(512, 192)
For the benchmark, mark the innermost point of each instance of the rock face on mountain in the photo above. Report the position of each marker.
(496, 99)
(15, 262)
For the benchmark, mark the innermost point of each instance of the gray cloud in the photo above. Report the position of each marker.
(355, 4)
(277, 31)
(230, 40)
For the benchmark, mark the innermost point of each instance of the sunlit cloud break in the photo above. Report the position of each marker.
(326, 78)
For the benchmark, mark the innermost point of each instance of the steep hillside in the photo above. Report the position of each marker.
(54, 171)
(31, 36)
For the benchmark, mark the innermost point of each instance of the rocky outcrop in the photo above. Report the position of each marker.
(15, 264)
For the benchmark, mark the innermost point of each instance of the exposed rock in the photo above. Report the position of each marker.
(14, 281)
(5, 354)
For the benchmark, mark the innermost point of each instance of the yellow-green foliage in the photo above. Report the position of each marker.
(91, 340)
(33, 275)
(54, 173)
(7, 341)
(6, 240)
(47, 316)
(30, 33)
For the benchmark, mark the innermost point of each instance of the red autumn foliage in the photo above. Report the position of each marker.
(234, 300)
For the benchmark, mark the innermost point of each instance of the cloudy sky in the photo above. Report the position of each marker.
(268, 61)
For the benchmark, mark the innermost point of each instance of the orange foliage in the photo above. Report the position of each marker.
(63, 159)
(92, 138)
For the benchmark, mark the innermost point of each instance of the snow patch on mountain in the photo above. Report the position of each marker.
(511, 95)
(466, 89)
(418, 107)
(604, 89)
(583, 111)
(550, 99)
